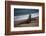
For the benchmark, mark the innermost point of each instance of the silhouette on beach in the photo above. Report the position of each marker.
(27, 21)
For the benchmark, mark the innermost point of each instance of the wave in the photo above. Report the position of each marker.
(22, 17)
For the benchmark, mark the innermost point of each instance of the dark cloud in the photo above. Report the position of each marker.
(18, 11)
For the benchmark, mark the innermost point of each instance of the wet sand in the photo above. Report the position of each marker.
(31, 24)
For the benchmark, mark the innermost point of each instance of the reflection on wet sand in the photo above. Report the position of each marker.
(27, 22)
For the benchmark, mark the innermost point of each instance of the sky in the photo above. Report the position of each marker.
(18, 11)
